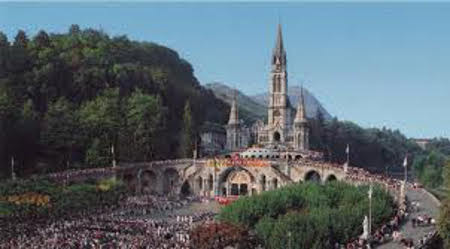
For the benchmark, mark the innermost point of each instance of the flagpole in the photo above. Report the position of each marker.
(13, 174)
(405, 165)
(113, 156)
(348, 154)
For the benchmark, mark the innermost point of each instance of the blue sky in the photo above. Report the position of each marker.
(377, 64)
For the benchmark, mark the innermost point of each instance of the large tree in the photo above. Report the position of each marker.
(60, 132)
(187, 135)
(144, 121)
(101, 120)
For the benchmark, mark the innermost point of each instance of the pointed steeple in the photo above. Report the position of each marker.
(300, 116)
(279, 54)
(234, 118)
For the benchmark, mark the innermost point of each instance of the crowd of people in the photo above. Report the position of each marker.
(138, 222)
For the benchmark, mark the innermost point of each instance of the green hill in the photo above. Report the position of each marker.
(66, 98)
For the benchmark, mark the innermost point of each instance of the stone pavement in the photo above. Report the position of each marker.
(428, 206)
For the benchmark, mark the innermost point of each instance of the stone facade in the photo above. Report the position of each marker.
(282, 131)
(223, 177)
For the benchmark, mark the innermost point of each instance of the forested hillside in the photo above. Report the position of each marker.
(65, 99)
(379, 150)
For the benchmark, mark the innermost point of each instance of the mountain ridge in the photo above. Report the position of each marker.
(254, 107)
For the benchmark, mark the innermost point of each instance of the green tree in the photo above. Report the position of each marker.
(60, 131)
(144, 115)
(97, 154)
(27, 131)
(102, 120)
(187, 134)
(3, 40)
(74, 29)
(21, 39)
(8, 120)
(428, 169)
(42, 39)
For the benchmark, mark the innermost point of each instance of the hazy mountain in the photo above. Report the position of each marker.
(252, 108)
(311, 102)
(249, 110)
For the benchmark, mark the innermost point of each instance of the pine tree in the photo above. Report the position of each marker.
(42, 39)
(21, 39)
(3, 40)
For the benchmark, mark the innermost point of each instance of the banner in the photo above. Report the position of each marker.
(237, 162)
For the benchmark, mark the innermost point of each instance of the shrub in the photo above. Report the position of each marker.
(220, 235)
(316, 216)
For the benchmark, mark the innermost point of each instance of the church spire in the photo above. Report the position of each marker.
(279, 54)
(234, 118)
(300, 116)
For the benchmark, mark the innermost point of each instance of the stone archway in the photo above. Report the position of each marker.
(313, 176)
(276, 136)
(131, 182)
(186, 189)
(199, 183)
(239, 182)
(210, 182)
(274, 183)
(170, 180)
(149, 182)
(331, 178)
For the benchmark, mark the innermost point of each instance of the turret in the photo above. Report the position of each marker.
(301, 139)
(234, 116)
(300, 116)
(234, 128)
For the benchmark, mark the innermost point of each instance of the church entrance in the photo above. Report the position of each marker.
(276, 136)
(243, 189)
(239, 189)
(239, 183)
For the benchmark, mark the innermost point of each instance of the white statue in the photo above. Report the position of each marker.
(365, 234)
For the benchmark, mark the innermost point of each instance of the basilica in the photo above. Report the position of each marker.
(286, 128)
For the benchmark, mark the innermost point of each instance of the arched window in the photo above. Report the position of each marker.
(263, 182)
(275, 183)
(276, 136)
(210, 182)
(200, 183)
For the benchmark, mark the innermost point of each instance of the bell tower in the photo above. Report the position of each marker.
(277, 109)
